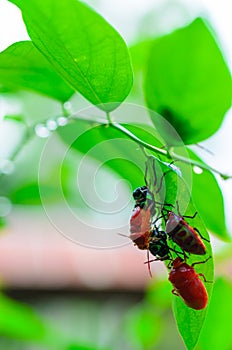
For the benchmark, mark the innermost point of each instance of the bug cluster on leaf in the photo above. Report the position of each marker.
(146, 235)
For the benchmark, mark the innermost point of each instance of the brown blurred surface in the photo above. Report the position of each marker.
(34, 255)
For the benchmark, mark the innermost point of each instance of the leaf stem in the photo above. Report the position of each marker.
(109, 118)
(199, 164)
(138, 140)
(168, 154)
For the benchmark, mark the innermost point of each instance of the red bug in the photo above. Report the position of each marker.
(187, 284)
(187, 237)
(140, 230)
(140, 227)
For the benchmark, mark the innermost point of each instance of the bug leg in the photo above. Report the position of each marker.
(175, 292)
(184, 216)
(203, 276)
(155, 174)
(160, 217)
(185, 255)
(158, 259)
(168, 205)
(205, 239)
(121, 234)
(178, 252)
(148, 184)
(145, 175)
(190, 216)
(170, 264)
(178, 208)
(201, 262)
(148, 263)
(162, 180)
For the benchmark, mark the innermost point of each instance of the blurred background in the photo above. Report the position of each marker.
(86, 284)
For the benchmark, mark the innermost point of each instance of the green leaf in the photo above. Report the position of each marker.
(23, 67)
(83, 48)
(218, 335)
(139, 55)
(174, 189)
(29, 194)
(208, 199)
(189, 321)
(188, 82)
(143, 326)
(19, 321)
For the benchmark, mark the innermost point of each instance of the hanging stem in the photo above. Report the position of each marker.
(159, 151)
(169, 154)
(138, 140)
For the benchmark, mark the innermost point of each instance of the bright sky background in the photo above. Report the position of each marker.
(124, 14)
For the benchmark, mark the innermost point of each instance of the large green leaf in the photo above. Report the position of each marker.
(188, 82)
(139, 55)
(23, 67)
(83, 48)
(189, 321)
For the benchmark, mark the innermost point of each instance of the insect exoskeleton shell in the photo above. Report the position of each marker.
(187, 285)
(184, 235)
(140, 227)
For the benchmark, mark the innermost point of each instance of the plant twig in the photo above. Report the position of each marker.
(159, 151)
(168, 154)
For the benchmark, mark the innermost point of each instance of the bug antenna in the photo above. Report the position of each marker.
(205, 149)
(148, 263)
(145, 175)
(202, 262)
(121, 234)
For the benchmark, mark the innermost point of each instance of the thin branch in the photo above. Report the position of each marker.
(138, 140)
(169, 154)
(159, 151)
